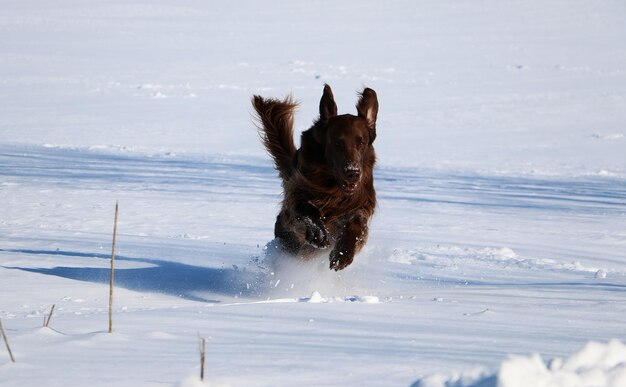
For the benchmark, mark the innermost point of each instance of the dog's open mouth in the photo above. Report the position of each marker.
(348, 187)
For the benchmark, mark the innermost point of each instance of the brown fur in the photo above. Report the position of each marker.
(328, 183)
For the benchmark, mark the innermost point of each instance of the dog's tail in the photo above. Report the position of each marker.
(276, 130)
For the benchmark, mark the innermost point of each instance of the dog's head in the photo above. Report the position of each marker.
(347, 139)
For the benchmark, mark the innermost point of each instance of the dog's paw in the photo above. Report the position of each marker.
(339, 260)
(315, 233)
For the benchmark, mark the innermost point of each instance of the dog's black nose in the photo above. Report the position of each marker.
(353, 173)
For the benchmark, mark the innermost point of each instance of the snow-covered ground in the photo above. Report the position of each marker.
(501, 227)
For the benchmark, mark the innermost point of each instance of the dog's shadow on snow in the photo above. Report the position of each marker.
(190, 282)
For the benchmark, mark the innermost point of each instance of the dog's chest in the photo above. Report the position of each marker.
(336, 209)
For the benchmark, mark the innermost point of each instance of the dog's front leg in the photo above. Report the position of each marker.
(350, 241)
(300, 228)
(311, 225)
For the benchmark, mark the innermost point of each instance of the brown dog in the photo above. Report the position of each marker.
(328, 183)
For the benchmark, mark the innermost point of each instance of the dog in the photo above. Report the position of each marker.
(328, 183)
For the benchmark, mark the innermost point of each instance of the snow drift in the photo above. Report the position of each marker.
(596, 364)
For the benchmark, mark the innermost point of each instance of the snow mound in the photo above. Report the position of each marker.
(489, 257)
(596, 364)
(194, 381)
(316, 298)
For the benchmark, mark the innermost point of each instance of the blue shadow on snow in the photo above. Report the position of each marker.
(171, 278)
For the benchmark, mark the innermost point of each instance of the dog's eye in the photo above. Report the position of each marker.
(338, 144)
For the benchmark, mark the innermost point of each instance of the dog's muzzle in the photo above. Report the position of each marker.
(352, 175)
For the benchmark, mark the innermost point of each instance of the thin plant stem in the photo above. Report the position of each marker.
(112, 278)
(47, 321)
(6, 342)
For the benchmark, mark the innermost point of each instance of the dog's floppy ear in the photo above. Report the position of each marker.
(328, 109)
(368, 109)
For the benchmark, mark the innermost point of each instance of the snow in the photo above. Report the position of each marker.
(596, 364)
(499, 240)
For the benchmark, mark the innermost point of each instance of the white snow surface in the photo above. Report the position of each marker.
(499, 240)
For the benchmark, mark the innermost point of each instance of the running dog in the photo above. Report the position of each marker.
(328, 182)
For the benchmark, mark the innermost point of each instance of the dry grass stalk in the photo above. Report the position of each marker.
(6, 342)
(112, 272)
(49, 317)
(202, 357)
